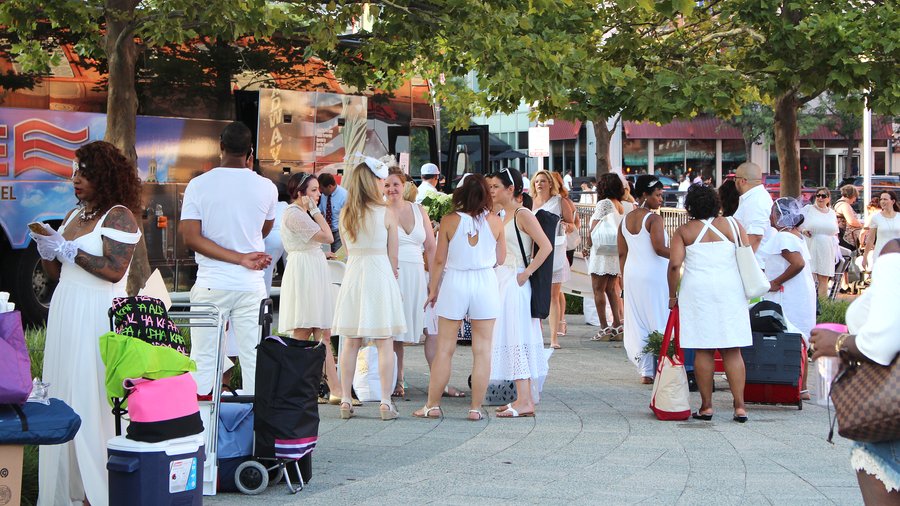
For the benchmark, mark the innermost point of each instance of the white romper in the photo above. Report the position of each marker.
(469, 285)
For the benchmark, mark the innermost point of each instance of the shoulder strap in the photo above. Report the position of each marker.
(644, 222)
(736, 232)
(519, 237)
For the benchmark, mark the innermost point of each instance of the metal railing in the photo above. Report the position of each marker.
(672, 217)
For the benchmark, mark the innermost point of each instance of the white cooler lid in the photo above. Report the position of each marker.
(178, 446)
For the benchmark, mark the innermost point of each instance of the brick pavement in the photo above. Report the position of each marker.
(594, 441)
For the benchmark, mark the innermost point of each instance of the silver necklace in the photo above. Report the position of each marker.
(86, 215)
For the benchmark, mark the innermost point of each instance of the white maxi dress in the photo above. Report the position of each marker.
(713, 309)
(412, 279)
(646, 296)
(518, 345)
(70, 472)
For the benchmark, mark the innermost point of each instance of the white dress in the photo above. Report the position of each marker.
(713, 309)
(561, 271)
(604, 265)
(646, 295)
(72, 365)
(798, 295)
(413, 283)
(822, 244)
(369, 302)
(887, 229)
(305, 275)
(518, 345)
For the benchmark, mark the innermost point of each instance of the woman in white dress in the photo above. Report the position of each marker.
(884, 227)
(820, 228)
(518, 344)
(415, 237)
(303, 310)
(710, 296)
(644, 254)
(603, 260)
(470, 244)
(368, 304)
(545, 192)
(90, 255)
(787, 263)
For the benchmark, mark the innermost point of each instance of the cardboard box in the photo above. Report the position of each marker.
(11, 475)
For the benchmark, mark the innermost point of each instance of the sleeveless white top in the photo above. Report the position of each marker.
(412, 244)
(513, 251)
(463, 256)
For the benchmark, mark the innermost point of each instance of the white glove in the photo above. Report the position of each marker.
(55, 246)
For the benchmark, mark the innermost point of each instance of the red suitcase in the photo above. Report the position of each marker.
(764, 393)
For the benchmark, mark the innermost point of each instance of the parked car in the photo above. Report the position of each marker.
(878, 181)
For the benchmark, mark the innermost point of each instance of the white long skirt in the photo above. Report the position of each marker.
(518, 346)
(414, 290)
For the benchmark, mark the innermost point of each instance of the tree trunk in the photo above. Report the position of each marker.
(602, 136)
(787, 137)
(121, 110)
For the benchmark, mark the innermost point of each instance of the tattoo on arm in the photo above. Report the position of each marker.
(116, 258)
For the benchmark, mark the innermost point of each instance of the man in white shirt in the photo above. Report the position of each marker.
(526, 183)
(755, 204)
(226, 214)
(430, 174)
(567, 180)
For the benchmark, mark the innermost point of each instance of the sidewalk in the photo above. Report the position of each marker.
(594, 441)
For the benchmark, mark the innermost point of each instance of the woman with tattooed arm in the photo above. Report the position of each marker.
(90, 254)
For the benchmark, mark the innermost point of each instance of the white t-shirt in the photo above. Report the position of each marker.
(754, 209)
(567, 182)
(425, 189)
(873, 317)
(526, 184)
(232, 205)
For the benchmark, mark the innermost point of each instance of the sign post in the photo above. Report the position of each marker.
(539, 144)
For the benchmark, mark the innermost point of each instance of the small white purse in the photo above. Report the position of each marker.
(754, 279)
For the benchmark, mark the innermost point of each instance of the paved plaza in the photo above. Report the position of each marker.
(593, 441)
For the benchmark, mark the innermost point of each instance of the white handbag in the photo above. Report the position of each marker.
(670, 399)
(605, 236)
(754, 279)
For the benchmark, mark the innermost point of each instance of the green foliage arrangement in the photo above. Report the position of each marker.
(654, 345)
(832, 311)
(438, 206)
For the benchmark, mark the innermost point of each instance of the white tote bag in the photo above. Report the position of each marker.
(605, 236)
(670, 398)
(366, 381)
(754, 279)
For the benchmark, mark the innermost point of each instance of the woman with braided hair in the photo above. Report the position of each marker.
(90, 254)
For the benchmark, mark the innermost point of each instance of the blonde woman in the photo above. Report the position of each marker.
(545, 191)
(415, 236)
(369, 304)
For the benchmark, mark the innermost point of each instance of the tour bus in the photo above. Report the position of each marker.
(315, 130)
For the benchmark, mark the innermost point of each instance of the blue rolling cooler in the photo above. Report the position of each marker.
(155, 474)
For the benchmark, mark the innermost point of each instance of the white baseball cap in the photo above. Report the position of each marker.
(430, 169)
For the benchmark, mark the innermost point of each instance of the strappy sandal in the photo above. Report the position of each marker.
(476, 412)
(346, 412)
(602, 334)
(426, 412)
(563, 328)
(390, 413)
(399, 391)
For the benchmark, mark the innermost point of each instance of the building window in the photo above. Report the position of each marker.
(634, 156)
(669, 156)
(700, 157)
(734, 153)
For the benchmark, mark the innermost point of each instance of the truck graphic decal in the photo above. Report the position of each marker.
(43, 146)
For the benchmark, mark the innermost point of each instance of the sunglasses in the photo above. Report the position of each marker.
(821, 196)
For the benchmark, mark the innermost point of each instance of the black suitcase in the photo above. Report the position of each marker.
(775, 365)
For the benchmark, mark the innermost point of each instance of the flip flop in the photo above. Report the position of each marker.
(512, 413)
(501, 409)
(426, 412)
(477, 412)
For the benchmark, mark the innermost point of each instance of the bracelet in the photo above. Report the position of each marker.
(839, 344)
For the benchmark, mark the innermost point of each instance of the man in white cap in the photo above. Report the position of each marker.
(430, 174)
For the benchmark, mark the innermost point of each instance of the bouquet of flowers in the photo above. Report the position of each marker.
(438, 206)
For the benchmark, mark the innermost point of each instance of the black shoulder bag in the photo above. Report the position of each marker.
(542, 278)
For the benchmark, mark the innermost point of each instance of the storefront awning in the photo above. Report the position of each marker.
(562, 130)
(699, 128)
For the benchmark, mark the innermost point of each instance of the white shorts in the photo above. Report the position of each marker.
(474, 293)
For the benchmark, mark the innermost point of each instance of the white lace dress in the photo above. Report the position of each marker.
(305, 277)
(518, 345)
(70, 472)
(369, 302)
(604, 265)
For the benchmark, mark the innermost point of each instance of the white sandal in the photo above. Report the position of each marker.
(427, 412)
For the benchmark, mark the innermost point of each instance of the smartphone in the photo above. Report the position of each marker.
(38, 228)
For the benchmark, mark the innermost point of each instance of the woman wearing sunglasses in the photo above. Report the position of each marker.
(820, 227)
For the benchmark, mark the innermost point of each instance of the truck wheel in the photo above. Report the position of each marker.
(252, 477)
(28, 285)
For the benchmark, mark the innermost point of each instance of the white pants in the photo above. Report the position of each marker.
(242, 310)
